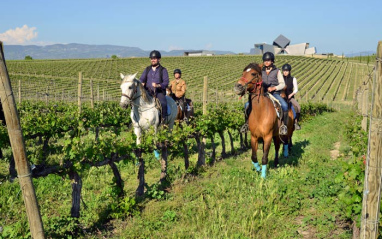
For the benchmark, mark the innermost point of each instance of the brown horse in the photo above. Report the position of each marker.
(263, 121)
(188, 112)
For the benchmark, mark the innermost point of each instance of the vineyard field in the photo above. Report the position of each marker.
(320, 80)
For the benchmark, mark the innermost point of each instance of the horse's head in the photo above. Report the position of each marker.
(129, 89)
(250, 80)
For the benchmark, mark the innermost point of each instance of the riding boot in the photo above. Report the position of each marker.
(296, 124)
(283, 127)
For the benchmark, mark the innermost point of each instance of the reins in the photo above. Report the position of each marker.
(257, 84)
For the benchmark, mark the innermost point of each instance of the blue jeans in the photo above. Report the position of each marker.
(284, 104)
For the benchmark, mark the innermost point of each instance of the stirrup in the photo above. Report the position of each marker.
(244, 128)
(297, 126)
(283, 130)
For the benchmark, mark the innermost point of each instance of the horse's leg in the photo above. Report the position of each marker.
(141, 172)
(141, 178)
(267, 145)
(254, 144)
(290, 144)
(137, 131)
(163, 163)
(276, 141)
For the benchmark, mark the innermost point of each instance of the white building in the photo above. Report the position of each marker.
(198, 53)
(281, 45)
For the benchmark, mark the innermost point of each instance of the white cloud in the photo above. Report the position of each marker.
(19, 35)
(172, 48)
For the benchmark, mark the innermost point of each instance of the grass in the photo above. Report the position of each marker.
(227, 200)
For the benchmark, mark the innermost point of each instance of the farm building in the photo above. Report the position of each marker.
(281, 45)
(198, 53)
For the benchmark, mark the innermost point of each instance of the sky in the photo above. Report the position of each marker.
(332, 26)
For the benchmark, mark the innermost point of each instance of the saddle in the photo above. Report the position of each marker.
(158, 105)
(277, 105)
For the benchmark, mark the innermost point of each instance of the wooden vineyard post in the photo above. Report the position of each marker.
(91, 94)
(79, 91)
(201, 156)
(19, 91)
(373, 172)
(365, 105)
(46, 95)
(19, 152)
(205, 96)
(98, 92)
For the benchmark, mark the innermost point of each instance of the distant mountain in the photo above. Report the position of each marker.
(79, 51)
(362, 53)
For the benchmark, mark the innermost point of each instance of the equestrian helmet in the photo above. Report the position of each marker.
(268, 56)
(177, 71)
(286, 67)
(155, 54)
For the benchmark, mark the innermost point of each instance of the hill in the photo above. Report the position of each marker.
(82, 51)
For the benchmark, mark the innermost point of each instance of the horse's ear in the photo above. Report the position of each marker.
(134, 75)
(261, 65)
(122, 76)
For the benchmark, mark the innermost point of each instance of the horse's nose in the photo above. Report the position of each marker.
(123, 105)
(239, 89)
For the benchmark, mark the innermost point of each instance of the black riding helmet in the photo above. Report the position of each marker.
(177, 71)
(286, 67)
(268, 56)
(155, 54)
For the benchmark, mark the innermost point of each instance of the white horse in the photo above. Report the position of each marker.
(143, 115)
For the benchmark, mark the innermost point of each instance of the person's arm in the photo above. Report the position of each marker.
(165, 79)
(143, 78)
(182, 91)
(280, 78)
(295, 88)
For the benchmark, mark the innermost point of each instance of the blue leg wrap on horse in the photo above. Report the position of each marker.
(285, 150)
(263, 171)
(157, 154)
(257, 166)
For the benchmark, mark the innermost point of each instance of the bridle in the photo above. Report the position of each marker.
(131, 98)
(257, 83)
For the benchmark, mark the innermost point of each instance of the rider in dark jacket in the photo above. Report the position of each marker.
(155, 79)
(273, 83)
(291, 90)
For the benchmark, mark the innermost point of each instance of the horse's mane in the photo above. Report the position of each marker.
(254, 66)
(146, 97)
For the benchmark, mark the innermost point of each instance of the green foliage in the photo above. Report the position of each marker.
(123, 208)
(155, 192)
(311, 109)
(114, 57)
(352, 173)
(28, 58)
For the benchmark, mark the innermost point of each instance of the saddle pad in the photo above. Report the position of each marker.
(275, 101)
